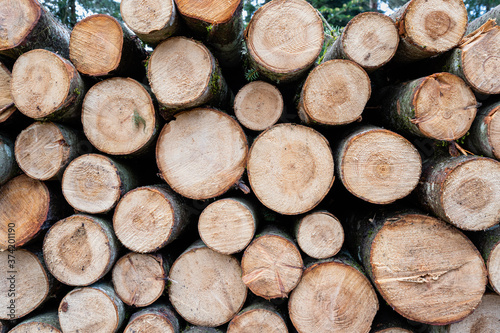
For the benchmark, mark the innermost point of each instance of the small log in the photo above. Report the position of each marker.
(199, 329)
(484, 138)
(228, 225)
(119, 118)
(258, 105)
(464, 191)
(429, 27)
(370, 39)
(148, 218)
(184, 74)
(320, 235)
(29, 206)
(91, 309)
(377, 165)
(217, 23)
(210, 146)
(94, 183)
(8, 165)
(272, 265)
(424, 268)
(152, 21)
(335, 93)
(283, 39)
(140, 279)
(25, 283)
(156, 318)
(80, 250)
(488, 243)
(211, 294)
(27, 25)
(440, 106)
(44, 149)
(333, 296)
(7, 107)
(43, 323)
(290, 168)
(258, 317)
(101, 46)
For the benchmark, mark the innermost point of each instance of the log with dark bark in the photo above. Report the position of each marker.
(464, 191)
(7, 107)
(8, 165)
(258, 317)
(488, 243)
(484, 137)
(155, 318)
(43, 323)
(148, 218)
(200, 329)
(45, 86)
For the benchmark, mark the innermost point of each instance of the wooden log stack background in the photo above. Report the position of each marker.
(180, 172)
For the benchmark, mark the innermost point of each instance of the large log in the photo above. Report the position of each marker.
(148, 218)
(80, 250)
(211, 294)
(184, 74)
(7, 107)
(370, 39)
(283, 39)
(44, 323)
(290, 168)
(258, 317)
(8, 165)
(119, 117)
(484, 138)
(45, 86)
(488, 243)
(26, 25)
(335, 93)
(211, 149)
(155, 318)
(464, 191)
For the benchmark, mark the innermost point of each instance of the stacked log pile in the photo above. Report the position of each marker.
(180, 172)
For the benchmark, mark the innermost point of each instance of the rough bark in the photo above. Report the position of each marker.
(8, 165)
(7, 107)
(258, 317)
(44, 323)
(488, 243)
(155, 318)
(199, 329)
(484, 137)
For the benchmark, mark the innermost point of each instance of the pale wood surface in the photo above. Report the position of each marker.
(7, 107)
(157, 318)
(42, 323)
(485, 318)
(215, 11)
(258, 320)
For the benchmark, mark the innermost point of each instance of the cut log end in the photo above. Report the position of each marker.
(150, 323)
(212, 147)
(494, 131)
(394, 330)
(151, 19)
(493, 266)
(227, 226)
(7, 107)
(484, 319)
(19, 17)
(290, 168)
(35, 327)
(210, 11)
(320, 235)
(257, 320)
(258, 105)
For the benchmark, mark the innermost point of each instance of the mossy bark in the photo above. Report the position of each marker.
(160, 310)
(8, 165)
(48, 319)
(487, 241)
(479, 140)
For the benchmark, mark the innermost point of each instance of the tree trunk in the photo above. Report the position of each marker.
(211, 294)
(91, 309)
(335, 93)
(152, 21)
(148, 218)
(8, 165)
(44, 323)
(46, 86)
(488, 243)
(440, 106)
(333, 296)
(272, 265)
(28, 26)
(428, 28)
(155, 318)
(140, 279)
(29, 206)
(217, 23)
(464, 191)
(119, 117)
(290, 168)
(484, 138)
(258, 317)
(275, 42)
(80, 250)
(425, 269)
(207, 133)
(44, 149)
(320, 235)
(7, 107)
(258, 105)
(94, 183)
(184, 74)
(100, 46)
(377, 165)
(370, 39)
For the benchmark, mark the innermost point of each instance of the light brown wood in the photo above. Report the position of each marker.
(42, 323)
(319, 234)
(284, 38)
(257, 318)
(18, 19)
(140, 279)
(394, 330)
(153, 319)
(148, 218)
(485, 318)
(227, 225)
(334, 93)
(202, 153)
(211, 294)
(272, 265)
(258, 105)
(493, 265)
(199, 329)
(118, 117)
(333, 297)
(209, 10)
(94, 183)
(484, 137)
(7, 107)
(80, 250)
(290, 168)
